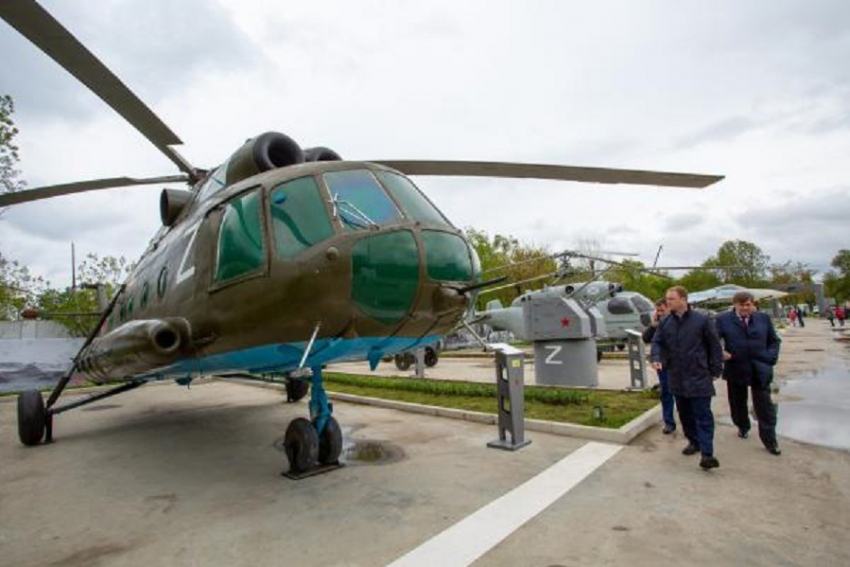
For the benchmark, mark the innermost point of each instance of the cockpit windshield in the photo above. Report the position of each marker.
(358, 200)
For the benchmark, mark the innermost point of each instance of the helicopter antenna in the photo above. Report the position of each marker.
(657, 254)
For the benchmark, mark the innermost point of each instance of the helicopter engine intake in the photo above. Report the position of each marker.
(134, 346)
(267, 151)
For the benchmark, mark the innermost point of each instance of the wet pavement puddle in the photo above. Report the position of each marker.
(820, 410)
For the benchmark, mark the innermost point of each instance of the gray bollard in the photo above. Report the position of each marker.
(637, 359)
(510, 384)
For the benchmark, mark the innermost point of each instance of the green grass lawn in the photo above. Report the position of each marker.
(568, 405)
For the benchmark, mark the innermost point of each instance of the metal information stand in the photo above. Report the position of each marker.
(637, 359)
(510, 384)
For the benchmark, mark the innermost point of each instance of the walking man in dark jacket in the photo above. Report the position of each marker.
(750, 349)
(667, 401)
(686, 345)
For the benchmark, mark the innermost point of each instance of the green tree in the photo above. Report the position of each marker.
(634, 276)
(788, 273)
(9, 174)
(507, 256)
(78, 309)
(837, 284)
(742, 263)
(18, 288)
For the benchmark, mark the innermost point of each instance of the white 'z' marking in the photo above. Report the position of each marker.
(184, 273)
(555, 350)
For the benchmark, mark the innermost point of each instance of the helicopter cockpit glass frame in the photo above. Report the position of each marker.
(241, 250)
(359, 201)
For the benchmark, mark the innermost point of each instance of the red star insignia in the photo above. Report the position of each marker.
(565, 322)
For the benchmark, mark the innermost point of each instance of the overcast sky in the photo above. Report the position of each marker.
(758, 91)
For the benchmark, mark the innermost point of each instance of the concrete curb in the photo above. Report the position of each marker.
(621, 436)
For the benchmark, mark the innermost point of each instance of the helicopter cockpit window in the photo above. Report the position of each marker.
(358, 200)
(642, 305)
(620, 306)
(415, 204)
(447, 257)
(241, 246)
(298, 215)
(214, 183)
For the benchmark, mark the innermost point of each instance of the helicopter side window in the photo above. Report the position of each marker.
(416, 205)
(298, 216)
(241, 246)
(620, 306)
(359, 200)
(642, 305)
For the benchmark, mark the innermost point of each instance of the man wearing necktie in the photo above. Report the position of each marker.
(750, 351)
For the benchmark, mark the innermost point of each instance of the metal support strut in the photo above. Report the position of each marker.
(63, 382)
(320, 408)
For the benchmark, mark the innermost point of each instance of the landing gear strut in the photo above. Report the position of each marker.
(313, 446)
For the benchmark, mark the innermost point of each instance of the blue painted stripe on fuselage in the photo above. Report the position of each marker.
(284, 357)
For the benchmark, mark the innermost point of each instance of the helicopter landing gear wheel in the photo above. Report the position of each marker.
(598, 356)
(404, 360)
(301, 444)
(431, 357)
(330, 443)
(32, 417)
(296, 389)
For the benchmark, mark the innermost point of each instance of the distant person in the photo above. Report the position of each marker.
(840, 314)
(686, 346)
(667, 401)
(800, 316)
(792, 316)
(830, 314)
(750, 351)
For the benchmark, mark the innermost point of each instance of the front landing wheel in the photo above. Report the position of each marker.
(301, 444)
(32, 417)
(330, 443)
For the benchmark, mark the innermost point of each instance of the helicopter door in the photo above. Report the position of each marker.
(240, 251)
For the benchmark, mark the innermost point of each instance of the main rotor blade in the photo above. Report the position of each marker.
(42, 29)
(555, 172)
(81, 186)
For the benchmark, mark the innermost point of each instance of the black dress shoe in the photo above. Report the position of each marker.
(668, 429)
(743, 433)
(774, 450)
(691, 449)
(709, 462)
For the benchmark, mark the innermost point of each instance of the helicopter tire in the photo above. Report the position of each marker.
(598, 356)
(301, 444)
(621, 347)
(330, 443)
(32, 417)
(296, 390)
(431, 357)
(403, 360)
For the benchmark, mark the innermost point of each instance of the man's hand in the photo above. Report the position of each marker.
(726, 356)
(657, 365)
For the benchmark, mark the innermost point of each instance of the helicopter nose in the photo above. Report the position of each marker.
(446, 300)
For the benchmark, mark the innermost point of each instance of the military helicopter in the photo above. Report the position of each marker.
(279, 260)
(622, 310)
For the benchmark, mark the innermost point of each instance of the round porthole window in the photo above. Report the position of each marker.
(161, 282)
(145, 295)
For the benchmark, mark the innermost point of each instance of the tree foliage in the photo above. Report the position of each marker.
(837, 284)
(76, 309)
(9, 174)
(506, 256)
(742, 263)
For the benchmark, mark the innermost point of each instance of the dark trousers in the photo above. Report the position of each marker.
(762, 405)
(697, 422)
(667, 400)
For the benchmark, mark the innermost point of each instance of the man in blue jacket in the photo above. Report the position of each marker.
(751, 349)
(686, 345)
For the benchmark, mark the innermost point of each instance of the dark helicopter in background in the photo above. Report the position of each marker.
(279, 260)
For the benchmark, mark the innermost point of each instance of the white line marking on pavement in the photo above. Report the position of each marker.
(469, 539)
